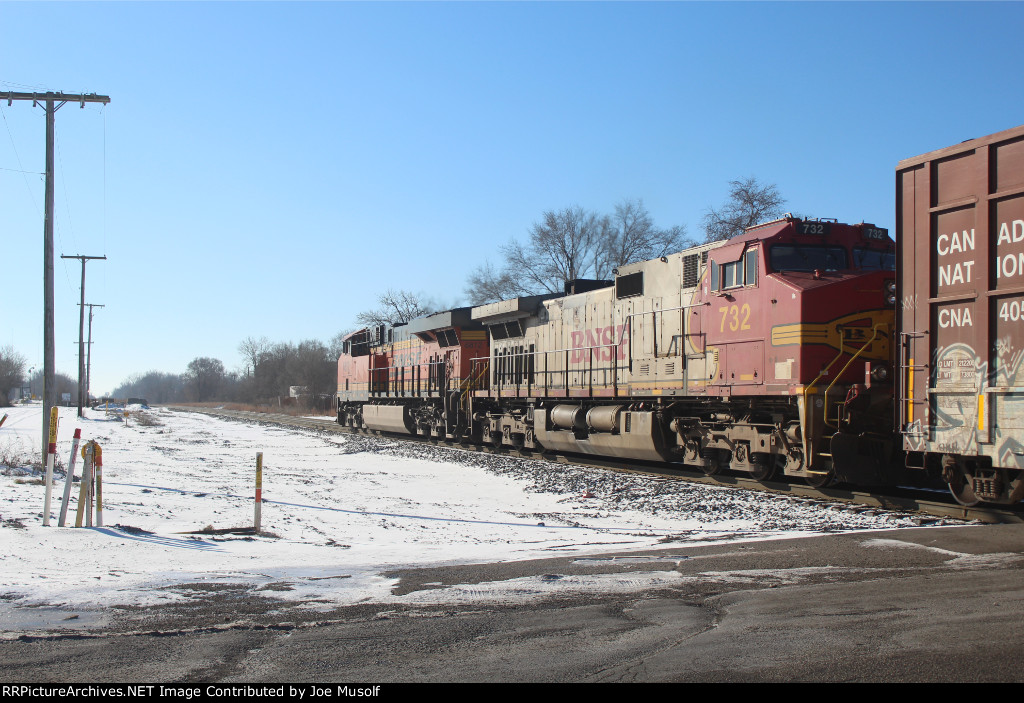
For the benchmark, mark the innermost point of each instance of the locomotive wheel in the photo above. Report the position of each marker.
(821, 480)
(715, 461)
(764, 470)
(712, 469)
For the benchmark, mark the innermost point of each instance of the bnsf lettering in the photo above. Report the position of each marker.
(954, 317)
(603, 338)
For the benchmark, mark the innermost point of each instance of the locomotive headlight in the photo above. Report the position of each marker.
(880, 373)
(890, 292)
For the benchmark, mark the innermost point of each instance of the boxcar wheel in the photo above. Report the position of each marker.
(959, 481)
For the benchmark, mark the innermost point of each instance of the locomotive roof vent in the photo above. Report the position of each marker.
(585, 285)
(787, 217)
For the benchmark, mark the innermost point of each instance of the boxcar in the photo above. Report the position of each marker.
(960, 249)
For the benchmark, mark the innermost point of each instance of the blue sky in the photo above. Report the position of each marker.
(268, 169)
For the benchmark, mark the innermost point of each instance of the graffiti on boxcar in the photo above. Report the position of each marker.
(959, 377)
(1007, 363)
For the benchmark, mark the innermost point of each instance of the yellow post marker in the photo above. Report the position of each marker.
(259, 492)
(51, 452)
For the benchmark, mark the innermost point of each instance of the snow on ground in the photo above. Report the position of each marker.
(341, 511)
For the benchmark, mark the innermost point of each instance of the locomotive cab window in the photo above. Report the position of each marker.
(800, 257)
(750, 267)
(874, 259)
(732, 275)
(736, 273)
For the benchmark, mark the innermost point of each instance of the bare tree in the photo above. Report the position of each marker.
(154, 386)
(312, 368)
(487, 285)
(749, 204)
(573, 243)
(335, 345)
(12, 372)
(395, 308)
(563, 246)
(204, 378)
(633, 236)
(253, 350)
(62, 384)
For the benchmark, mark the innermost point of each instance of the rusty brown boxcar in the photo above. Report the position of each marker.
(960, 249)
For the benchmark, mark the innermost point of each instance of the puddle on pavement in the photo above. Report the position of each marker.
(595, 561)
(14, 618)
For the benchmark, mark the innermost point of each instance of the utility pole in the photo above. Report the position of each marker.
(88, 359)
(50, 101)
(81, 331)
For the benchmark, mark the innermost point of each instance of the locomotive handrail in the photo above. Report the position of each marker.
(391, 379)
(615, 367)
(545, 373)
(610, 344)
(629, 320)
(807, 389)
(874, 334)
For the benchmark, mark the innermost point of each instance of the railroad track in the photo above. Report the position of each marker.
(925, 504)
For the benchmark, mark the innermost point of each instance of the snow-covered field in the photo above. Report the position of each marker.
(340, 511)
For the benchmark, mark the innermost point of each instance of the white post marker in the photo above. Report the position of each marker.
(83, 490)
(51, 452)
(259, 491)
(98, 463)
(70, 478)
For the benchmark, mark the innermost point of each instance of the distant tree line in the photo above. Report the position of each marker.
(269, 371)
(12, 373)
(13, 376)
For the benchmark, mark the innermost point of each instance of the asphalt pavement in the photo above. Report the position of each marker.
(928, 604)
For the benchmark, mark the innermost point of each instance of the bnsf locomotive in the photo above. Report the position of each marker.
(793, 349)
